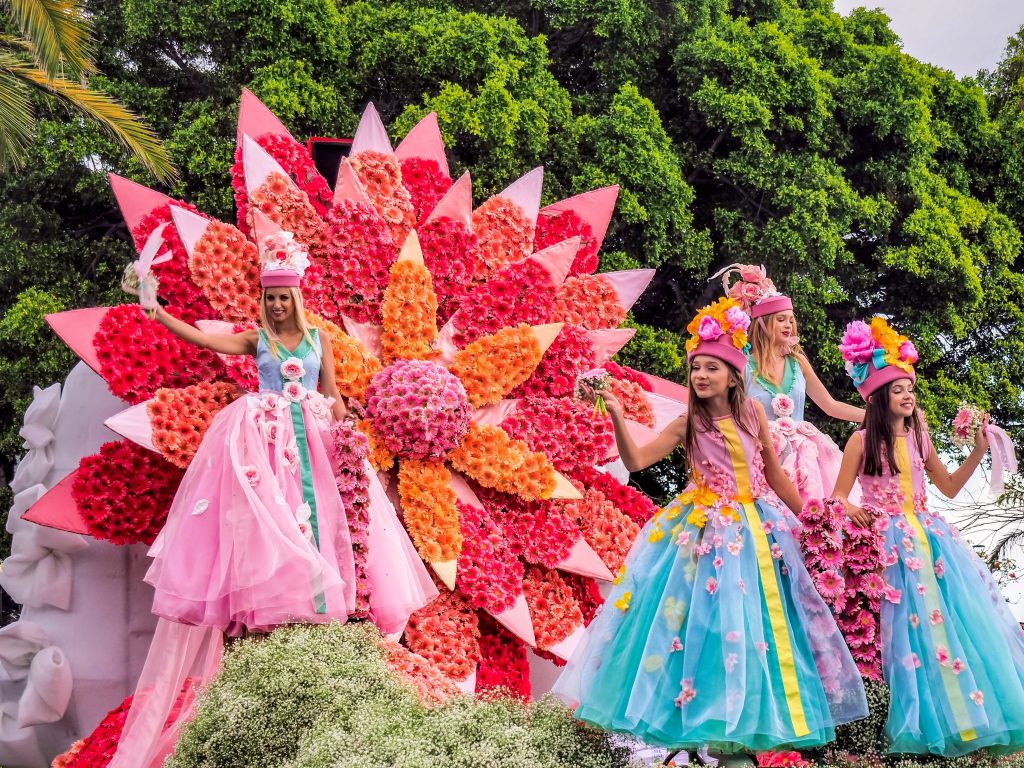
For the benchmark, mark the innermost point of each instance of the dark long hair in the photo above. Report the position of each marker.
(699, 418)
(879, 440)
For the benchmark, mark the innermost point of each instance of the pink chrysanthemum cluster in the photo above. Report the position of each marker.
(489, 573)
(563, 429)
(626, 373)
(541, 534)
(359, 254)
(382, 177)
(349, 450)
(419, 409)
(631, 502)
(571, 354)
(451, 253)
(519, 293)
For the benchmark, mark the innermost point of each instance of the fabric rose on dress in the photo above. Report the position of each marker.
(252, 475)
(709, 329)
(783, 405)
(292, 369)
(293, 391)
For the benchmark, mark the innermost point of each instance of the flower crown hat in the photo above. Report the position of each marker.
(284, 261)
(876, 355)
(754, 290)
(720, 330)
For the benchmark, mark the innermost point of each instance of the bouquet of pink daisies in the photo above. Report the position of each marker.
(966, 424)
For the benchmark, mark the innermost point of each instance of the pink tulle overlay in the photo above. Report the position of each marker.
(238, 551)
(809, 457)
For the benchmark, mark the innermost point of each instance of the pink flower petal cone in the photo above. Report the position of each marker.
(594, 207)
(262, 228)
(525, 192)
(134, 424)
(582, 559)
(257, 165)
(57, 508)
(371, 135)
(447, 571)
(191, 227)
(135, 201)
(630, 284)
(367, 334)
(457, 203)
(494, 415)
(607, 343)
(348, 186)
(564, 489)
(255, 119)
(469, 684)
(565, 648)
(669, 389)
(77, 328)
(424, 140)
(517, 621)
(557, 259)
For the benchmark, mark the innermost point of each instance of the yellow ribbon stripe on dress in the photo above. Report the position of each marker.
(931, 593)
(777, 616)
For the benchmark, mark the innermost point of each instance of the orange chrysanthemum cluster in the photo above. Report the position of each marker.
(589, 301)
(497, 461)
(227, 267)
(379, 456)
(288, 206)
(504, 232)
(428, 506)
(411, 305)
(446, 633)
(493, 365)
(381, 175)
(556, 613)
(180, 417)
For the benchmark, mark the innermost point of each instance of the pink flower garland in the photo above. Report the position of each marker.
(452, 254)
(631, 502)
(820, 541)
(296, 161)
(504, 665)
(124, 492)
(563, 429)
(589, 301)
(518, 293)
(489, 575)
(561, 226)
(426, 183)
(571, 354)
(138, 356)
(177, 287)
(858, 610)
(504, 232)
(360, 252)
(349, 450)
(382, 177)
(553, 606)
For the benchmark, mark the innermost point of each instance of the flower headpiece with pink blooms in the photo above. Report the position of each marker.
(720, 330)
(876, 355)
(754, 290)
(284, 261)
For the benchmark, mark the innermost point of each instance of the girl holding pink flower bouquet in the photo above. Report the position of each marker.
(714, 633)
(780, 377)
(952, 652)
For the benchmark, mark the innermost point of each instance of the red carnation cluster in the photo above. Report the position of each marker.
(571, 354)
(176, 285)
(124, 492)
(627, 500)
(360, 251)
(564, 430)
(553, 607)
(295, 159)
(138, 356)
(519, 293)
(451, 253)
(489, 573)
(628, 374)
(504, 665)
(554, 228)
(426, 183)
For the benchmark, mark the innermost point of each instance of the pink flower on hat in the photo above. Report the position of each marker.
(737, 318)
(709, 329)
(908, 352)
(858, 343)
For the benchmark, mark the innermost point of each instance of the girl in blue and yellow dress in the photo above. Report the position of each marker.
(952, 652)
(714, 633)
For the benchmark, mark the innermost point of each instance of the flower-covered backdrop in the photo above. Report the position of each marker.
(457, 332)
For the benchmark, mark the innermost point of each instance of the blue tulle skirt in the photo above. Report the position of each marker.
(952, 652)
(715, 634)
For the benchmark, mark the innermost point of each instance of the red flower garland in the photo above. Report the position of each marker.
(553, 607)
(564, 430)
(426, 183)
(360, 252)
(295, 159)
(553, 229)
(446, 633)
(138, 356)
(519, 293)
(571, 354)
(504, 231)
(124, 492)
(628, 374)
(452, 254)
(504, 665)
(589, 301)
(636, 505)
(177, 287)
(349, 450)
(381, 175)
(489, 574)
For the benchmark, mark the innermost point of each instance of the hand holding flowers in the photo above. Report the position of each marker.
(595, 387)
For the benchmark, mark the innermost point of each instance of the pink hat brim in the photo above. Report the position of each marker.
(879, 377)
(726, 352)
(771, 305)
(280, 279)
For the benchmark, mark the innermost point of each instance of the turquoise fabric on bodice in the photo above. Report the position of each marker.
(269, 367)
(793, 384)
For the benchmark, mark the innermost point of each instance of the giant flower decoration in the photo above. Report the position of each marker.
(431, 337)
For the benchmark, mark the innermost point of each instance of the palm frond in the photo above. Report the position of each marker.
(16, 118)
(59, 33)
(1002, 547)
(119, 122)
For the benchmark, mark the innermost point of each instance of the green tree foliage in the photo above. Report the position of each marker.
(766, 131)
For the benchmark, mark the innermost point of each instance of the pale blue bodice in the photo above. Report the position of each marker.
(269, 367)
(793, 384)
